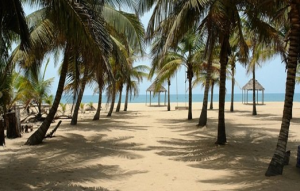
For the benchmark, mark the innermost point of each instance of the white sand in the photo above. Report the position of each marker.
(151, 149)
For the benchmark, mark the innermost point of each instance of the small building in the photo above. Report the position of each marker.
(152, 89)
(249, 87)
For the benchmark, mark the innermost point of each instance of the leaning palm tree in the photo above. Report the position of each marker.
(89, 34)
(293, 38)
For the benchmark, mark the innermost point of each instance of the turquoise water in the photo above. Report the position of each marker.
(268, 97)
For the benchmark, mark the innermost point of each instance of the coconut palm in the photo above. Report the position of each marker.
(12, 11)
(89, 35)
(201, 77)
(83, 82)
(166, 64)
(226, 18)
(99, 77)
(277, 162)
(261, 52)
(136, 75)
(9, 33)
(32, 87)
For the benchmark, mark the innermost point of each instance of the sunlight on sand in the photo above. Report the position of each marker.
(149, 148)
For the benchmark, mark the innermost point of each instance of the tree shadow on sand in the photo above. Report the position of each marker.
(70, 162)
(245, 158)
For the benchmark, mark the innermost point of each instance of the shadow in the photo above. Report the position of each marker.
(244, 159)
(69, 162)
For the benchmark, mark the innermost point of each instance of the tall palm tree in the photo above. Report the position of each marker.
(277, 162)
(89, 34)
(261, 52)
(136, 75)
(201, 78)
(184, 55)
(83, 82)
(100, 79)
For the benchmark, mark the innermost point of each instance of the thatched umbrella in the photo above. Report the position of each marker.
(249, 87)
(153, 88)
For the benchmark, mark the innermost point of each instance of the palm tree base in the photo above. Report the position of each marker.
(274, 170)
(220, 142)
(73, 123)
(35, 139)
(201, 126)
(203, 119)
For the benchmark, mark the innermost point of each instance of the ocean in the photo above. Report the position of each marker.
(180, 98)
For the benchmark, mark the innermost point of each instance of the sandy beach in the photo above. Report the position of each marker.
(152, 149)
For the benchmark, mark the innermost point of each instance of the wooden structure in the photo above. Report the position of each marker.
(249, 87)
(151, 89)
(2, 136)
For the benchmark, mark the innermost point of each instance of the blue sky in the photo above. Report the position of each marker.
(272, 75)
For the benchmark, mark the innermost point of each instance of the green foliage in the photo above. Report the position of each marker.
(63, 107)
(90, 105)
(82, 107)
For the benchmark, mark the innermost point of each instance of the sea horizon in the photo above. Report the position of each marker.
(181, 98)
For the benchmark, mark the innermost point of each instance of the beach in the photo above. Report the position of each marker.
(152, 149)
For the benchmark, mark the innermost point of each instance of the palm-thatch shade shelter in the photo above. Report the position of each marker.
(151, 89)
(249, 87)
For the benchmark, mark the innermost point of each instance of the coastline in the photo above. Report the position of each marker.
(150, 148)
(181, 98)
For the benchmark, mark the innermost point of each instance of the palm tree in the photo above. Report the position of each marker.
(261, 52)
(277, 163)
(166, 64)
(89, 34)
(80, 94)
(136, 75)
(33, 87)
(233, 58)
(12, 11)
(9, 32)
(201, 78)
(100, 80)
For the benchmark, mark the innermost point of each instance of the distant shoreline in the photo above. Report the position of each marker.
(182, 98)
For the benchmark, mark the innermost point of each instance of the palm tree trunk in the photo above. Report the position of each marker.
(80, 95)
(126, 98)
(112, 100)
(190, 77)
(99, 77)
(203, 116)
(120, 99)
(97, 114)
(169, 102)
(221, 139)
(277, 162)
(254, 97)
(232, 87)
(212, 95)
(39, 115)
(38, 136)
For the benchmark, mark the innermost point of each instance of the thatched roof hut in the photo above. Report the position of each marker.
(249, 87)
(152, 88)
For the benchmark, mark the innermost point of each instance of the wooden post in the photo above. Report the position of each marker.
(2, 137)
(12, 125)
